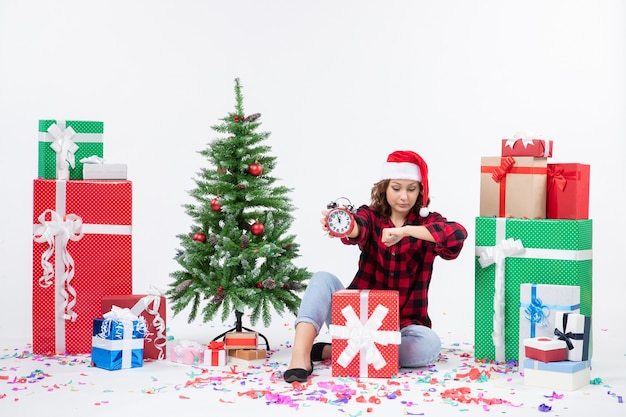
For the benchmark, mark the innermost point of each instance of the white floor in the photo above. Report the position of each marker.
(69, 386)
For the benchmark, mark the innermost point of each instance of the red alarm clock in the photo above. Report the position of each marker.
(339, 220)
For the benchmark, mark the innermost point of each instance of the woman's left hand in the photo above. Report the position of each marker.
(391, 236)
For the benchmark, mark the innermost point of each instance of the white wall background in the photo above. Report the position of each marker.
(447, 79)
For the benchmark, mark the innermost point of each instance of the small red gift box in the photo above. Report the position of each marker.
(568, 191)
(215, 354)
(152, 309)
(513, 187)
(365, 333)
(539, 148)
(545, 349)
(82, 252)
(241, 340)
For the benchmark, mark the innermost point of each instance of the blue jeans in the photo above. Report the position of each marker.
(419, 345)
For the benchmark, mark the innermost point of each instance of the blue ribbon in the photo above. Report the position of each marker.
(537, 313)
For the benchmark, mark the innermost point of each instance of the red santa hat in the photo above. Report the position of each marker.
(407, 165)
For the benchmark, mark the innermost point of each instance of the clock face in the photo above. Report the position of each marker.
(339, 222)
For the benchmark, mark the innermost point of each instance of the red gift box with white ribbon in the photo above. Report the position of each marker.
(82, 252)
(526, 146)
(152, 308)
(365, 333)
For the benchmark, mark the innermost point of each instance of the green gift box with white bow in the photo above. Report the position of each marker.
(63, 143)
(513, 251)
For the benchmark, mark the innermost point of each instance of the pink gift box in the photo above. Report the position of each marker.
(568, 191)
(82, 252)
(187, 352)
(539, 148)
(374, 315)
(152, 309)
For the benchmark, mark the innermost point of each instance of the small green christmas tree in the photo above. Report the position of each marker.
(239, 254)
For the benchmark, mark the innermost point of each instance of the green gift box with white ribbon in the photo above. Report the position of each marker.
(513, 251)
(63, 143)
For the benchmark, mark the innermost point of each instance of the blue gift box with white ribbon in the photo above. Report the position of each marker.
(117, 342)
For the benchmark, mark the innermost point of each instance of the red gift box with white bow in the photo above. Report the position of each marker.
(82, 252)
(365, 333)
(523, 146)
(152, 308)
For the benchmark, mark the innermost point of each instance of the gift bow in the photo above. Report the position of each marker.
(497, 255)
(505, 166)
(66, 228)
(362, 337)
(124, 333)
(566, 337)
(125, 316)
(215, 345)
(537, 312)
(525, 137)
(64, 147)
(558, 177)
(119, 313)
(153, 299)
(569, 336)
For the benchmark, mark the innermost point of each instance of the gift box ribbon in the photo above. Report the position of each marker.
(497, 255)
(215, 345)
(569, 336)
(64, 147)
(190, 345)
(499, 174)
(217, 349)
(558, 177)
(56, 233)
(526, 139)
(128, 335)
(536, 312)
(363, 334)
(151, 304)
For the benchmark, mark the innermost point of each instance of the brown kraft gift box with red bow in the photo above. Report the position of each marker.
(513, 187)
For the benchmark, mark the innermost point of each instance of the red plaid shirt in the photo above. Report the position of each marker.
(407, 266)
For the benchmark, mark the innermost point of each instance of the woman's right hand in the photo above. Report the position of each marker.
(323, 222)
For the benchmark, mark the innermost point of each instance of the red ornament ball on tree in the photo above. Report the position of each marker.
(257, 228)
(255, 169)
(215, 205)
(259, 285)
(199, 237)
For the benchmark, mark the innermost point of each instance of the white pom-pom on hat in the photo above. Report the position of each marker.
(408, 165)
